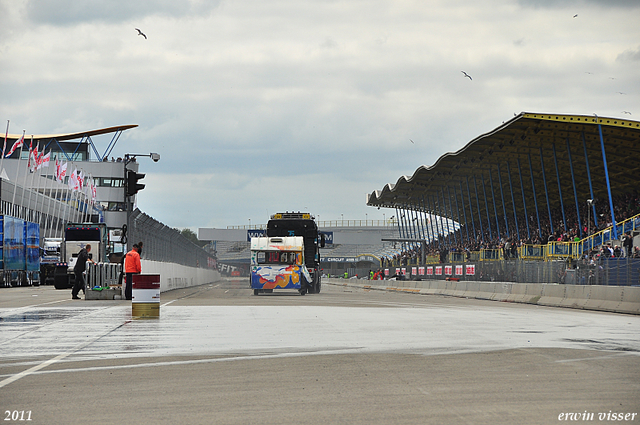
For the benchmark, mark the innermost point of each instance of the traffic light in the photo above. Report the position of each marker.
(132, 182)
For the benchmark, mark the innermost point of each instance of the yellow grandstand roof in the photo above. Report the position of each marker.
(554, 145)
(71, 136)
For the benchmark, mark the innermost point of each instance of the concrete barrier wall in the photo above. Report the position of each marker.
(174, 276)
(617, 299)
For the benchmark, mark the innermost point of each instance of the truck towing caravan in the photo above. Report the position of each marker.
(289, 256)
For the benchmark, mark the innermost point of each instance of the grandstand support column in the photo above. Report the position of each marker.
(504, 206)
(414, 219)
(455, 196)
(475, 186)
(420, 213)
(546, 191)
(441, 243)
(486, 205)
(405, 230)
(575, 192)
(555, 161)
(445, 236)
(524, 199)
(399, 217)
(444, 204)
(426, 219)
(586, 159)
(473, 222)
(495, 208)
(535, 198)
(513, 201)
(433, 234)
(455, 238)
(606, 174)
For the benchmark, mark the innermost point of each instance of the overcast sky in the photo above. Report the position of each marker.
(263, 106)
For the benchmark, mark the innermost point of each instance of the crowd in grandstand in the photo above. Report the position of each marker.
(509, 239)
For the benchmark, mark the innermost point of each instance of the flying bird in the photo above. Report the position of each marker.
(141, 33)
(619, 92)
(412, 141)
(626, 112)
(467, 75)
(575, 16)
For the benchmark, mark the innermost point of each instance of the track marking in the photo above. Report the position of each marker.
(612, 356)
(59, 357)
(35, 370)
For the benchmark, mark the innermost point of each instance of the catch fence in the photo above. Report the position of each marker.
(165, 244)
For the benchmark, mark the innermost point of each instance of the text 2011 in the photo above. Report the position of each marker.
(17, 415)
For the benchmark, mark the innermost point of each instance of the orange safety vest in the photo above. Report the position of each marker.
(132, 262)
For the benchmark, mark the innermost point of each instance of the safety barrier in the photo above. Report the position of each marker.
(559, 250)
(617, 299)
(103, 274)
(531, 252)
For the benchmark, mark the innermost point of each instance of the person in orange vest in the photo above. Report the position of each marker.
(131, 266)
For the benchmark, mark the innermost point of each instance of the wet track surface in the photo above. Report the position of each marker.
(223, 331)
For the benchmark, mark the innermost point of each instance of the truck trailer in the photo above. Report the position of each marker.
(19, 251)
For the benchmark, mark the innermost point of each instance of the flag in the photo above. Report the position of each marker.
(92, 189)
(44, 160)
(81, 180)
(73, 180)
(33, 158)
(61, 171)
(15, 146)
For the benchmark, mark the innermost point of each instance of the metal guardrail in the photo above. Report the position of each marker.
(103, 274)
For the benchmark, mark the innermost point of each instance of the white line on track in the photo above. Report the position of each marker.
(35, 370)
(59, 357)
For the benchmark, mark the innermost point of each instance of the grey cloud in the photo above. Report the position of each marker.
(554, 4)
(629, 55)
(69, 12)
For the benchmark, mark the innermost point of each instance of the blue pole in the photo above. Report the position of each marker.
(546, 191)
(486, 205)
(575, 192)
(455, 238)
(555, 160)
(457, 213)
(433, 209)
(606, 173)
(445, 241)
(493, 197)
(475, 185)
(586, 159)
(444, 207)
(427, 236)
(504, 207)
(524, 201)
(535, 199)
(473, 222)
(464, 210)
(466, 227)
(513, 201)
(434, 223)
(399, 225)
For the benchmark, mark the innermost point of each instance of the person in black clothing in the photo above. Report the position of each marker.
(78, 270)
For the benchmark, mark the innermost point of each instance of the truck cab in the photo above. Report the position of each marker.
(278, 263)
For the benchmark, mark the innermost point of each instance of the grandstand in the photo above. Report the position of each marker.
(539, 187)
